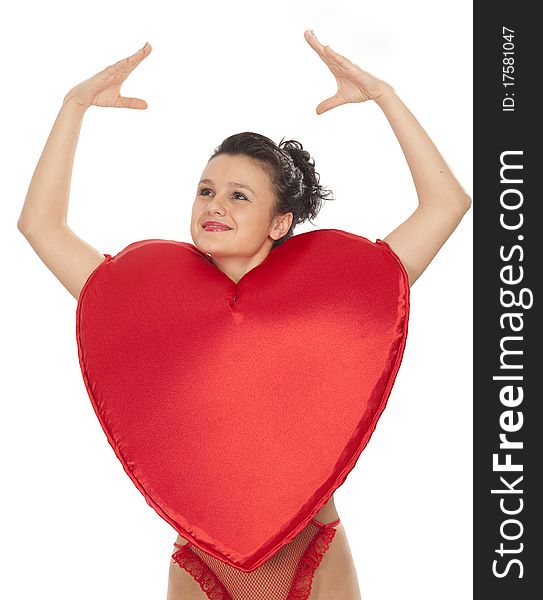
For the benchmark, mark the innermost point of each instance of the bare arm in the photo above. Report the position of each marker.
(442, 201)
(43, 219)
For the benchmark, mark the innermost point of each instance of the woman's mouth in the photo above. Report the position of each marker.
(215, 226)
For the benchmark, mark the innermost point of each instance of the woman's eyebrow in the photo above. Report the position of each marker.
(233, 183)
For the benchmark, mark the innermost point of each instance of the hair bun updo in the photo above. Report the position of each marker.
(292, 173)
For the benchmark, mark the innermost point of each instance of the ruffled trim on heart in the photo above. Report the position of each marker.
(311, 559)
(196, 567)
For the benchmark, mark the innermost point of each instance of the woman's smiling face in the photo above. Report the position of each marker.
(235, 191)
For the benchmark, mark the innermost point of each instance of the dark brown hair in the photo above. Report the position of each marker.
(292, 174)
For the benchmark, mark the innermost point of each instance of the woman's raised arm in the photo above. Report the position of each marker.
(442, 200)
(43, 219)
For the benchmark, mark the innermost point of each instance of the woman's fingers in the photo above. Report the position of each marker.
(354, 84)
(128, 64)
(134, 60)
(319, 48)
(313, 41)
(329, 56)
(139, 55)
(103, 89)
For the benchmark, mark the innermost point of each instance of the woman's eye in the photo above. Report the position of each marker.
(208, 190)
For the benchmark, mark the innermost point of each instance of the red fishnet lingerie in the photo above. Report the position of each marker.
(288, 575)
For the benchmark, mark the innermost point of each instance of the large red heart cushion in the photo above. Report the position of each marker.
(238, 409)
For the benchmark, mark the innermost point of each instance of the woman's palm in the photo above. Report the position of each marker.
(354, 84)
(104, 88)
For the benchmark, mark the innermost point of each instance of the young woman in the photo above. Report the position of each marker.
(250, 197)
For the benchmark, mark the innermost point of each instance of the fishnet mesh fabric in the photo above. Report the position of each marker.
(288, 575)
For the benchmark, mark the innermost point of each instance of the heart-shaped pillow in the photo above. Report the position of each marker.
(238, 409)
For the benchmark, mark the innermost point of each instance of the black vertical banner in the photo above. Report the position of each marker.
(508, 239)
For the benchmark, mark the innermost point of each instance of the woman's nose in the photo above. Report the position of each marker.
(216, 204)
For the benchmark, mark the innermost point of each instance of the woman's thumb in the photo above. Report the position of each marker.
(329, 103)
(123, 102)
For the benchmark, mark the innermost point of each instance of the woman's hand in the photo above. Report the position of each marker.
(354, 84)
(103, 89)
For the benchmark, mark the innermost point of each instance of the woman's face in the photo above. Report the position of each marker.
(237, 192)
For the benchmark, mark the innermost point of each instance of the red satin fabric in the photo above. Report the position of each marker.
(238, 409)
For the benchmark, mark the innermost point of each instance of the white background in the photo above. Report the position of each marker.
(73, 524)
